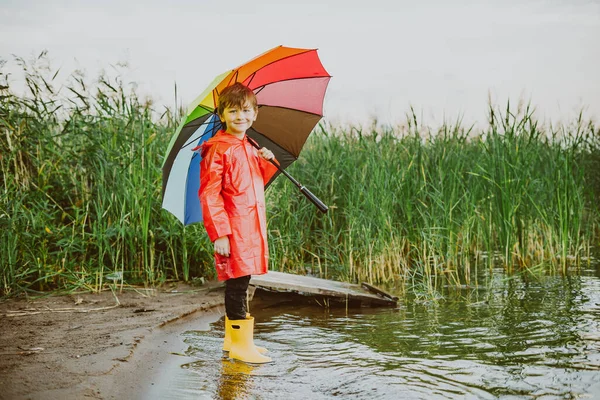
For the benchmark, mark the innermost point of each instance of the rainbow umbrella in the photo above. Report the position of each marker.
(290, 86)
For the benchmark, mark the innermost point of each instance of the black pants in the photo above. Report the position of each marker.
(235, 297)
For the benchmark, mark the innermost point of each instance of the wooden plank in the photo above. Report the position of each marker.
(308, 285)
(378, 291)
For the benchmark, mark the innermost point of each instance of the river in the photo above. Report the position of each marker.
(508, 337)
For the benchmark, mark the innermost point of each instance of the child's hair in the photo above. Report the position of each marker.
(236, 95)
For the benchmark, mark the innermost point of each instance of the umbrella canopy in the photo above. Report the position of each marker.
(289, 85)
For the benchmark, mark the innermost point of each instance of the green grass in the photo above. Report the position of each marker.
(81, 190)
(80, 196)
(409, 203)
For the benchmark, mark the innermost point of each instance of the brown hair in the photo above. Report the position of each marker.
(236, 95)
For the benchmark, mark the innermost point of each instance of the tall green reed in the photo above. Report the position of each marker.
(81, 180)
(411, 203)
(81, 184)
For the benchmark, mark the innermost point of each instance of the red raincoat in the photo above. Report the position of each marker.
(232, 194)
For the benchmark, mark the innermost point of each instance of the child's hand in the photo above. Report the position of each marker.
(266, 153)
(222, 246)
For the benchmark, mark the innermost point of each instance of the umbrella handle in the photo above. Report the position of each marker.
(314, 199)
(309, 195)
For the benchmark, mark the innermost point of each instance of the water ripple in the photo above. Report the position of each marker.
(542, 342)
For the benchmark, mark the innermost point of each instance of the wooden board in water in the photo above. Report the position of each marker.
(308, 285)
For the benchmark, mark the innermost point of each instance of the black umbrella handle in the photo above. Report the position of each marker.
(314, 199)
(309, 195)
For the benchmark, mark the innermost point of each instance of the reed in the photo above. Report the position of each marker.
(81, 182)
(80, 198)
(412, 203)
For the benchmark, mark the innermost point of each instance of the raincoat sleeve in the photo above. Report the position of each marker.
(215, 218)
(267, 169)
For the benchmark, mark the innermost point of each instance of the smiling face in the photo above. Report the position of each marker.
(237, 109)
(238, 119)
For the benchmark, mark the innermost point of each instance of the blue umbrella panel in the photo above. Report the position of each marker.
(181, 189)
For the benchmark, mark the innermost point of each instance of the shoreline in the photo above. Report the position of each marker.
(158, 354)
(88, 346)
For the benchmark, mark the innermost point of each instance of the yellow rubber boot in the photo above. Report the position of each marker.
(227, 341)
(242, 342)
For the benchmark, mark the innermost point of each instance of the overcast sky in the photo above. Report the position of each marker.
(442, 56)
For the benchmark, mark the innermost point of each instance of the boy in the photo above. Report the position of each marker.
(232, 179)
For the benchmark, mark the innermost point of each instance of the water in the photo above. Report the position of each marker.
(532, 340)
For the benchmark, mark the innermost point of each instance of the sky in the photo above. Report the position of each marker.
(444, 58)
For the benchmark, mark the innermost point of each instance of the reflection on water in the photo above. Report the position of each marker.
(522, 339)
(235, 380)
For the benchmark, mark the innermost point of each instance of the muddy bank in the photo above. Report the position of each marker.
(96, 345)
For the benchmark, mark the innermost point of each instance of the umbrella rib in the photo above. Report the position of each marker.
(206, 132)
(275, 143)
(216, 93)
(252, 77)
(202, 106)
(194, 140)
(234, 77)
(207, 108)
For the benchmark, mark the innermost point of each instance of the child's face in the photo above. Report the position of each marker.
(239, 119)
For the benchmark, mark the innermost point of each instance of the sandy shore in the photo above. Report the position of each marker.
(102, 346)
